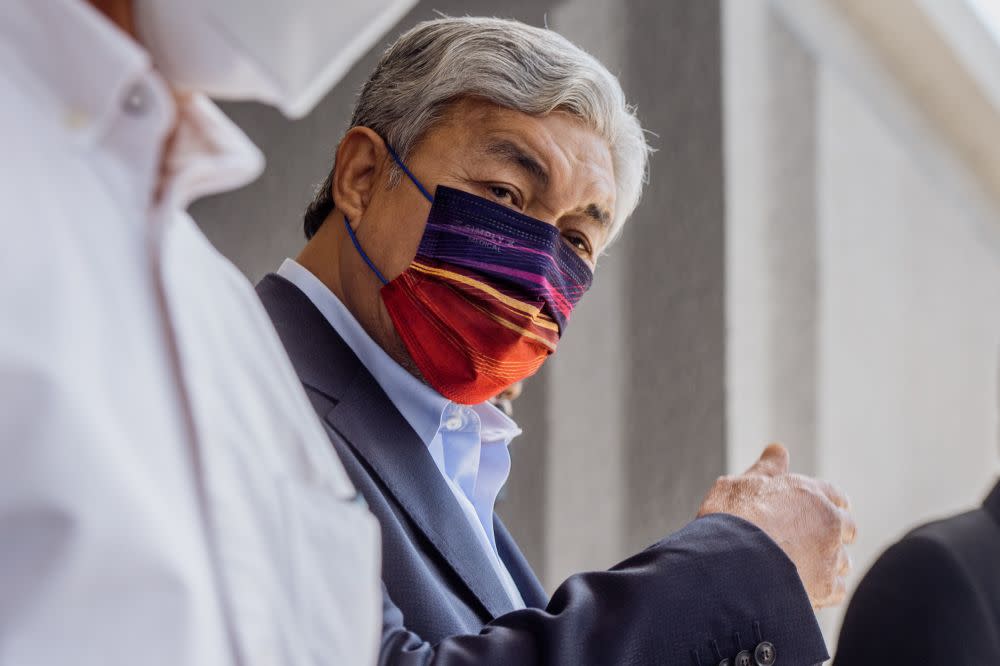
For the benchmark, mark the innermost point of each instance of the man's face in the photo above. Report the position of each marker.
(551, 168)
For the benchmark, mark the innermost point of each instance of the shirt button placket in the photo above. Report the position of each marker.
(137, 100)
(453, 419)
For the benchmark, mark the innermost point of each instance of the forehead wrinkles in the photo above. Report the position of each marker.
(584, 180)
(576, 157)
(568, 158)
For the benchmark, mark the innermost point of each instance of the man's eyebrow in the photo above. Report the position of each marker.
(510, 151)
(600, 214)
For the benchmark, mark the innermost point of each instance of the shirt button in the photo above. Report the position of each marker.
(136, 101)
(743, 658)
(453, 422)
(765, 654)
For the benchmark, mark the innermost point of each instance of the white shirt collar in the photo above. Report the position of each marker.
(208, 153)
(87, 97)
(423, 408)
(468, 444)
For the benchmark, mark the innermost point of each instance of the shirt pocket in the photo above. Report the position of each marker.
(334, 547)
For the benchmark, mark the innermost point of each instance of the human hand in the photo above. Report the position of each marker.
(505, 400)
(808, 518)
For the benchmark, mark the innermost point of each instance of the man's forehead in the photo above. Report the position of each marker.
(569, 162)
(481, 110)
(483, 120)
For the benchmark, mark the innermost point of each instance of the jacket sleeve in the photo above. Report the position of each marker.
(717, 586)
(916, 605)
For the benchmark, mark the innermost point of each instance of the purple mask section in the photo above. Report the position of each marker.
(518, 255)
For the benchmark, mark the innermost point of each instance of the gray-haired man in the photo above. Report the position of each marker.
(487, 167)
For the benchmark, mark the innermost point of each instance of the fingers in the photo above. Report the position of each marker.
(834, 494)
(772, 462)
(844, 564)
(836, 588)
(836, 503)
(512, 392)
(841, 505)
(838, 592)
(848, 527)
(505, 406)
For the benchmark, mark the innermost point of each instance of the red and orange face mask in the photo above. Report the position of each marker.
(485, 300)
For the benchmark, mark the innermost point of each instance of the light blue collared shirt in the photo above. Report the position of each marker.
(468, 443)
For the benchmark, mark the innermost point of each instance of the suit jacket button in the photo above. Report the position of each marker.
(765, 654)
(726, 662)
(743, 658)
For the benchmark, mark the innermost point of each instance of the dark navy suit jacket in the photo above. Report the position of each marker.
(933, 598)
(716, 587)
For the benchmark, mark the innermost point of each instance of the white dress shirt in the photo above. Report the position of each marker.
(468, 443)
(167, 495)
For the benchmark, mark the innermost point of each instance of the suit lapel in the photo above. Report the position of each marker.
(532, 592)
(380, 436)
(321, 358)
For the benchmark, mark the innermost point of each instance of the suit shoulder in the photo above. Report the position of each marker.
(919, 602)
(924, 551)
(960, 535)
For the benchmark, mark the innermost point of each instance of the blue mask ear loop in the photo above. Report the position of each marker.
(423, 190)
(350, 231)
(357, 246)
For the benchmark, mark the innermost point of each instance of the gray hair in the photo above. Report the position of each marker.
(531, 70)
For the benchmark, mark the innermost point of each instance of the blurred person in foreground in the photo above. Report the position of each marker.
(166, 493)
(487, 166)
(931, 598)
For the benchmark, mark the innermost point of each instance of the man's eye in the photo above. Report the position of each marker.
(579, 244)
(504, 194)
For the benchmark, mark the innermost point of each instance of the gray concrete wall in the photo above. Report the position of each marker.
(864, 272)
(624, 429)
(675, 419)
(772, 299)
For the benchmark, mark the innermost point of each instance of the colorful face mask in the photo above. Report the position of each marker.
(487, 296)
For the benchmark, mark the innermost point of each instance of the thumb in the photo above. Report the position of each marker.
(773, 462)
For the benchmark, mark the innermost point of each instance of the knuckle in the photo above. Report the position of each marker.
(843, 519)
(831, 517)
(799, 479)
(723, 481)
(849, 525)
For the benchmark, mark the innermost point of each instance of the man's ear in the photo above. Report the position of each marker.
(361, 156)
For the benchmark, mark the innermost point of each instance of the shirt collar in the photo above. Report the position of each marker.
(55, 37)
(208, 153)
(423, 408)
